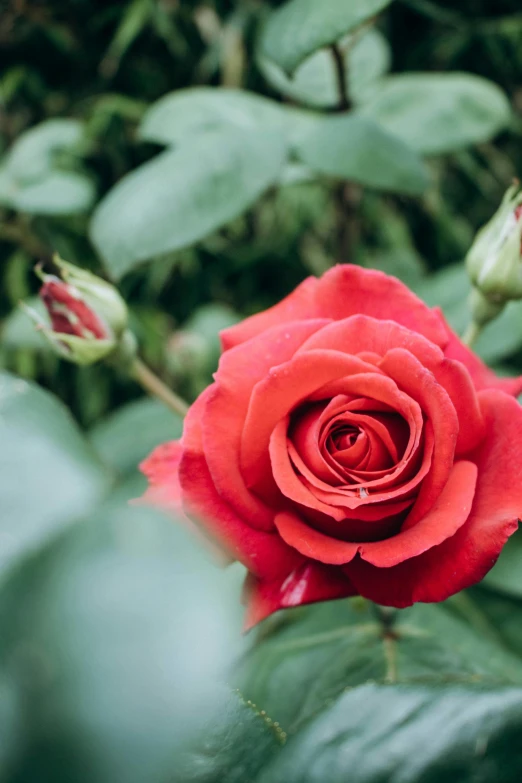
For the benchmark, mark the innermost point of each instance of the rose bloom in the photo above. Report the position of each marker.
(350, 444)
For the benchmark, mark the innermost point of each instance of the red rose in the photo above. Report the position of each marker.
(68, 311)
(351, 444)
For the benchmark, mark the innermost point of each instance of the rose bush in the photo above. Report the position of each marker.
(350, 444)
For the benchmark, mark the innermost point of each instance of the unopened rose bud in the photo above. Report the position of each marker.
(494, 262)
(87, 315)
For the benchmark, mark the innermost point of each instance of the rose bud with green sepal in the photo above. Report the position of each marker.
(494, 261)
(88, 317)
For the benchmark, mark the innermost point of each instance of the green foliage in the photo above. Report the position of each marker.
(181, 196)
(314, 83)
(357, 149)
(49, 476)
(439, 113)
(300, 27)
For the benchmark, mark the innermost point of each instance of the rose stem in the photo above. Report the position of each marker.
(347, 194)
(471, 334)
(153, 385)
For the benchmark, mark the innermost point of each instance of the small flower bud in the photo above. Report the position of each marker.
(88, 316)
(494, 261)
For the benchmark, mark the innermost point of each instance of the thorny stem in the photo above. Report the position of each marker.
(153, 385)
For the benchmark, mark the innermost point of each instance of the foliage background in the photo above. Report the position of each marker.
(71, 654)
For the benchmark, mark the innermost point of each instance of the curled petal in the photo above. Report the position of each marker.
(308, 583)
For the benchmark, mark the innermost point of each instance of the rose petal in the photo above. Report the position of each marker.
(449, 513)
(417, 381)
(343, 291)
(358, 334)
(286, 386)
(466, 557)
(308, 583)
(223, 418)
(161, 468)
(265, 554)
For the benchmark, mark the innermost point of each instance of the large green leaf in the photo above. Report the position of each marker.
(412, 734)
(300, 27)
(178, 115)
(439, 113)
(341, 697)
(183, 195)
(129, 434)
(355, 148)
(115, 638)
(315, 81)
(49, 475)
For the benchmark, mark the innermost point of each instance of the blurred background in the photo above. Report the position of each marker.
(105, 64)
(104, 606)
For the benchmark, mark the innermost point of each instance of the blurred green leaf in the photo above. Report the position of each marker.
(183, 195)
(33, 153)
(439, 113)
(179, 115)
(314, 83)
(57, 193)
(300, 27)
(30, 180)
(355, 148)
(49, 476)
(115, 638)
(18, 331)
(129, 434)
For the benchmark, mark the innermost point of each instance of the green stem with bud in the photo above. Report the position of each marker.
(153, 385)
(471, 334)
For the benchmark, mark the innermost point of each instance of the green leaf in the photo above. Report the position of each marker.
(414, 734)
(238, 744)
(180, 114)
(129, 434)
(30, 180)
(48, 477)
(183, 195)
(300, 27)
(315, 81)
(115, 637)
(33, 154)
(355, 148)
(58, 193)
(439, 113)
